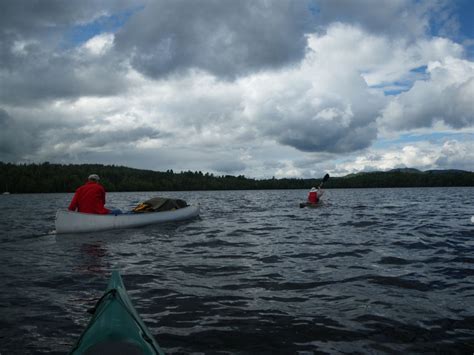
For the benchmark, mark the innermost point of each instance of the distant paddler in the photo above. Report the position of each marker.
(315, 194)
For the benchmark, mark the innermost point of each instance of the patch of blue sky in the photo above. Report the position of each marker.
(80, 34)
(456, 23)
(434, 137)
(393, 89)
(466, 15)
(314, 8)
(397, 87)
(421, 69)
(394, 92)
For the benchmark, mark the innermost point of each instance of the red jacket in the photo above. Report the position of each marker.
(313, 197)
(89, 198)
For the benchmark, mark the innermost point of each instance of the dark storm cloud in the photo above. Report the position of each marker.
(14, 139)
(331, 116)
(226, 38)
(313, 160)
(24, 136)
(88, 139)
(329, 137)
(63, 77)
(34, 18)
(164, 158)
(230, 166)
(6, 123)
(119, 137)
(35, 61)
(44, 23)
(39, 57)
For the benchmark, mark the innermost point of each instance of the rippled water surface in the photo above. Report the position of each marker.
(369, 271)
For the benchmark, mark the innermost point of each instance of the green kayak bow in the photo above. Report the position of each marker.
(115, 327)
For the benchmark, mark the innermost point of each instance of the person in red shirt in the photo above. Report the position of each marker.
(90, 197)
(313, 196)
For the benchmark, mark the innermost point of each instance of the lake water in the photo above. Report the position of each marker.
(370, 271)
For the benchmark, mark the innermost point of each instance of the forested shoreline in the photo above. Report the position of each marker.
(50, 178)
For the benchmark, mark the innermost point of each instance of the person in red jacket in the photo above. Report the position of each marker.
(90, 197)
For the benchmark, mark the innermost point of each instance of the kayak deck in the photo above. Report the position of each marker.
(309, 205)
(116, 327)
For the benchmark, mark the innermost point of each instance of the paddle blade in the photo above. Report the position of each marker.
(325, 178)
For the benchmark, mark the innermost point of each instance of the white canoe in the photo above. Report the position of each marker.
(75, 222)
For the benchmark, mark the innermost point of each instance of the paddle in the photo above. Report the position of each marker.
(325, 178)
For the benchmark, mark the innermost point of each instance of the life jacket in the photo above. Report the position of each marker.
(313, 197)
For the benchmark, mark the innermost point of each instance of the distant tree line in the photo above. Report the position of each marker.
(46, 177)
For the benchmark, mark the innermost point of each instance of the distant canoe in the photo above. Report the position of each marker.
(6, 193)
(75, 222)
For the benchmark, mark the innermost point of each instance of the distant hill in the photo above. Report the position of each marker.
(444, 171)
(404, 170)
(405, 177)
(46, 177)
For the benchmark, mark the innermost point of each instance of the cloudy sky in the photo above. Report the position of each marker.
(259, 88)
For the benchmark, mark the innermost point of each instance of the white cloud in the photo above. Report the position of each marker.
(288, 171)
(100, 44)
(447, 96)
(451, 154)
(380, 59)
(396, 18)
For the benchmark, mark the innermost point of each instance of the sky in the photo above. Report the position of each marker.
(260, 88)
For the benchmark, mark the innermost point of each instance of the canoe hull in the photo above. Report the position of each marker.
(75, 222)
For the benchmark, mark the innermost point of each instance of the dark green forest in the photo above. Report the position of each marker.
(46, 177)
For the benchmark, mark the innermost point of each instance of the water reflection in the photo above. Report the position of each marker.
(94, 260)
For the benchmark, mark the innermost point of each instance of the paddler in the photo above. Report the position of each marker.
(90, 198)
(313, 195)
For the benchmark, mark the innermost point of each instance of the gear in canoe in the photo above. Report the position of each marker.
(159, 204)
(115, 327)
